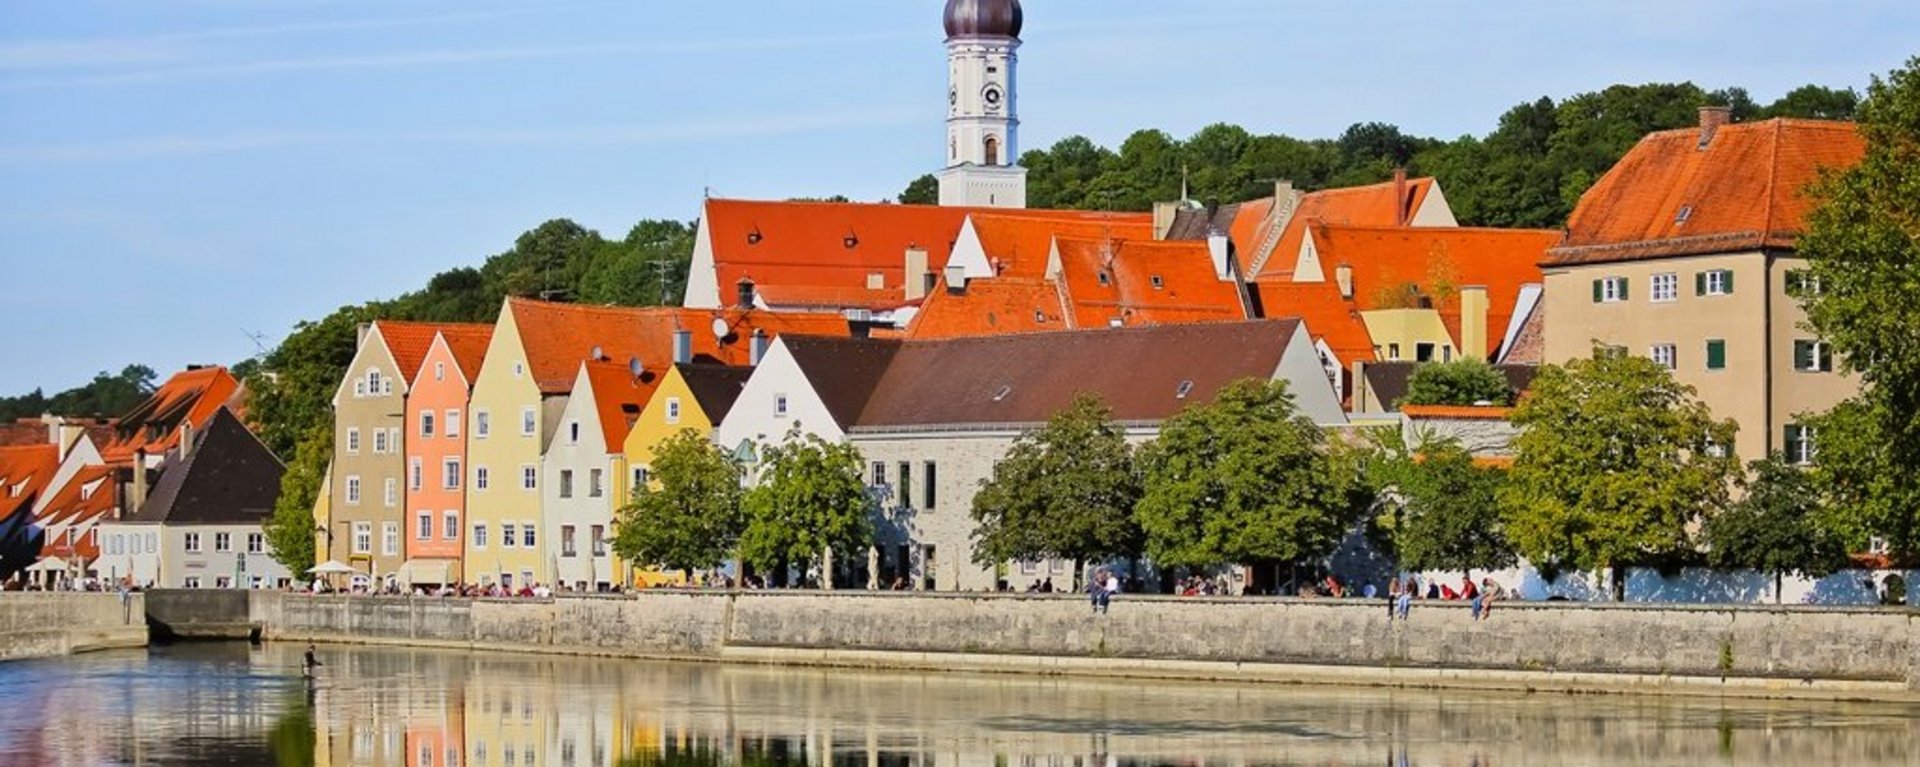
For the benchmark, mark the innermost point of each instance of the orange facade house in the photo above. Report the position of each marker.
(436, 456)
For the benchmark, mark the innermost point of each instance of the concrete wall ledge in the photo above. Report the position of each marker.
(54, 623)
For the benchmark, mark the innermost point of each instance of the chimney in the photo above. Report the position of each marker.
(916, 272)
(139, 481)
(1220, 250)
(1711, 118)
(1282, 192)
(359, 339)
(682, 346)
(1163, 215)
(186, 439)
(757, 346)
(956, 278)
(1343, 275)
(1402, 205)
(1473, 321)
(743, 293)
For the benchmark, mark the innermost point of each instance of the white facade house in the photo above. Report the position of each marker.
(578, 470)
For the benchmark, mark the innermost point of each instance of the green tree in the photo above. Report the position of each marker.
(1465, 381)
(290, 530)
(1615, 463)
(693, 519)
(648, 268)
(811, 502)
(1817, 102)
(1445, 513)
(1065, 490)
(1245, 479)
(108, 394)
(1780, 527)
(924, 190)
(1863, 244)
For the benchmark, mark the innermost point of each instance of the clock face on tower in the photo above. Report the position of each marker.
(993, 97)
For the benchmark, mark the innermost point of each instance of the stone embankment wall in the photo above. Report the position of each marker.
(44, 624)
(1794, 651)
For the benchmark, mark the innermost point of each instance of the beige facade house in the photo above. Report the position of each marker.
(1684, 253)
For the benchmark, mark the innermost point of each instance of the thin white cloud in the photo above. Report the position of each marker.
(141, 50)
(376, 61)
(690, 131)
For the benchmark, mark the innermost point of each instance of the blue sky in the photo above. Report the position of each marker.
(176, 176)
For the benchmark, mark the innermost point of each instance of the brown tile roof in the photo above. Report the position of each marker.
(26, 431)
(1385, 258)
(229, 477)
(715, 387)
(1671, 196)
(820, 253)
(1198, 223)
(1530, 345)
(409, 342)
(843, 371)
(558, 337)
(1024, 379)
(191, 396)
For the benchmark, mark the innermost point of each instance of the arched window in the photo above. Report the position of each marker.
(993, 150)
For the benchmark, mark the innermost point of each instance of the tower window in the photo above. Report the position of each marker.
(993, 150)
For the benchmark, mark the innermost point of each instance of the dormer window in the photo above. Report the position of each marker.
(1158, 283)
(1104, 279)
(1681, 216)
(1181, 391)
(1005, 390)
(851, 241)
(1039, 316)
(754, 237)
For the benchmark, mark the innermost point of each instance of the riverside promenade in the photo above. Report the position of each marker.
(1758, 651)
(46, 624)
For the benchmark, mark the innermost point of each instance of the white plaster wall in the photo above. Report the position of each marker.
(583, 511)
(753, 417)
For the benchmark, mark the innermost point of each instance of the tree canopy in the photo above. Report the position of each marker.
(108, 394)
(811, 499)
(693, 519)
(1528, 172)
(1460, 382)
(290, 529)
(1615, 463)
(1244, 479)
(1780, 526)
(1445, 513)
(1863, 245)
(1065, 490)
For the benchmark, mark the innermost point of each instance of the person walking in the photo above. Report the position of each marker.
(309, 662)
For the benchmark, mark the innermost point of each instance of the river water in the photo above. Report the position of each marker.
(197, 704)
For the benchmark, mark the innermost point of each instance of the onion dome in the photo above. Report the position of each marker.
(983, 18)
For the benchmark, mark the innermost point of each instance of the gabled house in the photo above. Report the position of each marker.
(143, 436)
(1685, 252)
(26, 474)
(436, 486)
(205, 514)
(931, 418)
(522, 390)
(580, 469)
(372, 425)
(691, 398)
(1272, 235)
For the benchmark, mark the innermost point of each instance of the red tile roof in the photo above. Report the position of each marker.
(1384, 204)
(1438, 260)
(558, 337)
(1671, 196)
(468, 345)
(1457, 412)
(409, 342)
(73, 507)
(618, 398)
(191, 397)
(1144, 282)
(26, 431)
(821, 253)
(1327, 316)
(989, 307)
(1019, 245)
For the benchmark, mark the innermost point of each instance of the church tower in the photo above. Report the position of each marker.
(983, 124)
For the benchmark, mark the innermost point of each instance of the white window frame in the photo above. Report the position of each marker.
(596, 483)
(363, 538)
(509, 535)
(1664, 287)
(222, 543)
(390, 539)
(353, 440)
(529, 477)
(1717, 282)
(482, 423)
(566, 483)
(392, 490)
(415, 474)
(423, 526)
(450, 525)
(1665, 355)
(256, 543)
(427, 417)
(481, 478)
(780, 405)
(673, 410)
(191, 543)
(453, 423)
(1611, 290)
(480, 536)
(379, 441)
(450, 473)
(353, 490)
(529, 422)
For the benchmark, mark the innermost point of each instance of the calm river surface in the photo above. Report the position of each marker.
(232, 704)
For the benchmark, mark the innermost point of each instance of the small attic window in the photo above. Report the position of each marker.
(629, 408)
(1104, 279)
(1158, 283)
(1039, 316)
(1185, 388)
(1005, 390)
(852, 241)
(1685, 212)
(754, 237)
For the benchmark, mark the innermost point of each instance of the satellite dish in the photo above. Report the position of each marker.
(635, 367)
(720, 329)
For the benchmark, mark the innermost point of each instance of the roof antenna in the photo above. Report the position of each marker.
(1183, 183)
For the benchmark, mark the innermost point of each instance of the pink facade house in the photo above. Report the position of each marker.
(436, 452)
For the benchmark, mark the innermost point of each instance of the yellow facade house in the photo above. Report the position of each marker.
(692, 397)
(1684, 253)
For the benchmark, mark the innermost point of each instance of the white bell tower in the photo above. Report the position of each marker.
(983, 123)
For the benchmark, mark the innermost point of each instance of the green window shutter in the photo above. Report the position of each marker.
(1596, 291)
(1717, 354)
(1623, 287)
(1726, 282)
(1699, 283)
(1823, 360)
